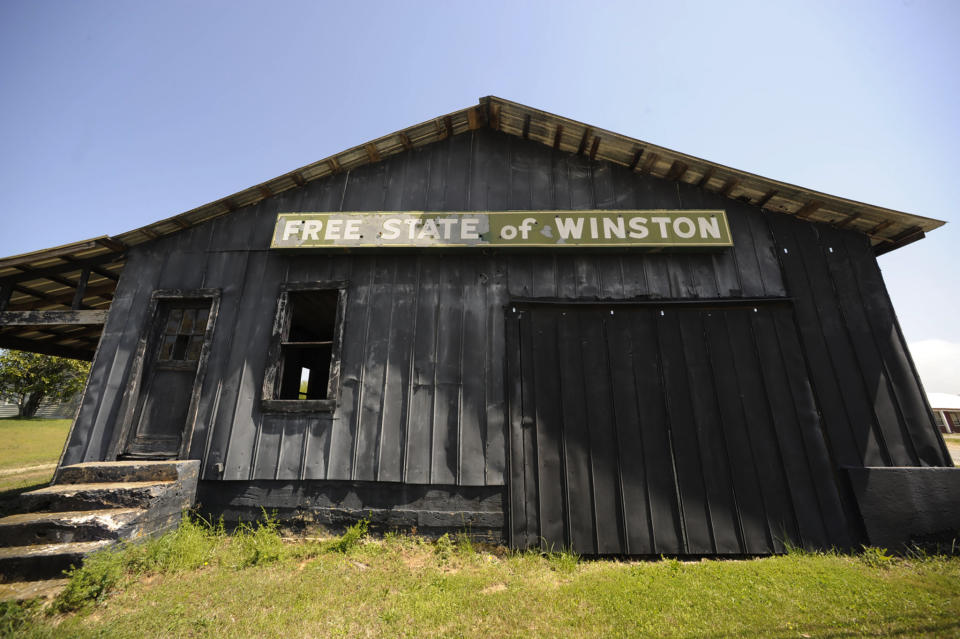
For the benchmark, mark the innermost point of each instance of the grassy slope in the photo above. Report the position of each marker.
(409, 588)
(30, 442)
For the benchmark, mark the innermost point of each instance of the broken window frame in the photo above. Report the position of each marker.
(273, 374)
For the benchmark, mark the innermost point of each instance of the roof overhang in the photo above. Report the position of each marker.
(83, 275)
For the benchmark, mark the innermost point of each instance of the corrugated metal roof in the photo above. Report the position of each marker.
(49, 279)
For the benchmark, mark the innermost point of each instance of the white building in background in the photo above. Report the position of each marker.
(946, 411)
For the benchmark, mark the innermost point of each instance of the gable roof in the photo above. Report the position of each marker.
(83, 275)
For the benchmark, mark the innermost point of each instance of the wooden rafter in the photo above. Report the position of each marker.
(879, 227)
(587, 132)
(46, 348)
(65, 298)
(847, 221)
(808, 209)
(28, 273)
(677, 169)
(769, 195)
(649, 163)
(112, 243)
(493, 115)
(474, 119)
(594, 147)
(706, 177)
(728, 187)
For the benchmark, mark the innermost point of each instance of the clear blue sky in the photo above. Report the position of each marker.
(116, 114)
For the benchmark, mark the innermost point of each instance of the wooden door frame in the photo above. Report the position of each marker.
(131, 394)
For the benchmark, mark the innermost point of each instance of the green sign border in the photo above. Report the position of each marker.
(519, 222)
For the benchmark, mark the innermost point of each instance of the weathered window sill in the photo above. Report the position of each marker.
(298, 405)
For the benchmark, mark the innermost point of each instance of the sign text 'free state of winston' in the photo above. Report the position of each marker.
(628, 228)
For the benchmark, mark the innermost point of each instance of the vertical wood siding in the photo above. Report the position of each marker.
(873, 405)
(422, 398)
(667, 429)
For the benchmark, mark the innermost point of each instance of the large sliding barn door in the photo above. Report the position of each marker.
(665, 429)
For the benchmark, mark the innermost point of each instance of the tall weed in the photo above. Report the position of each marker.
(101, 573)
(352, 538)
(192, 545)
(257, 544)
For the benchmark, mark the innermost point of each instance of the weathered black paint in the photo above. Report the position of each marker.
(428, 509)
(426, 368)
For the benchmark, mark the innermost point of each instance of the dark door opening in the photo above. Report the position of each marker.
(176, 340)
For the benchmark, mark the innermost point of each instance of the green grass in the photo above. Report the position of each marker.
(29, 442)
(952, 438)
(200, 582)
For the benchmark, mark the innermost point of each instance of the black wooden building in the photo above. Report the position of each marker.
(639, 400)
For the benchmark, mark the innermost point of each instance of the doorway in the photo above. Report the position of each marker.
(168, 374)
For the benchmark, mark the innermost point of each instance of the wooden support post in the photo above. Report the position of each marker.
(557, 136)
(81, 289)
(636, 159)
(5, 292)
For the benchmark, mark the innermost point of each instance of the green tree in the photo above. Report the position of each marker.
(28, 378)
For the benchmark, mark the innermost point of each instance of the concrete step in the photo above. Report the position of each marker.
(116, 471)
(96, 496)
(71, 526)
(44, 561)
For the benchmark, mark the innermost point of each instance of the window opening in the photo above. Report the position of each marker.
(307, 344)
(183, 335)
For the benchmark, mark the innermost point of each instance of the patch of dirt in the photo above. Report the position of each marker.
(494, 588)
(6, 472)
